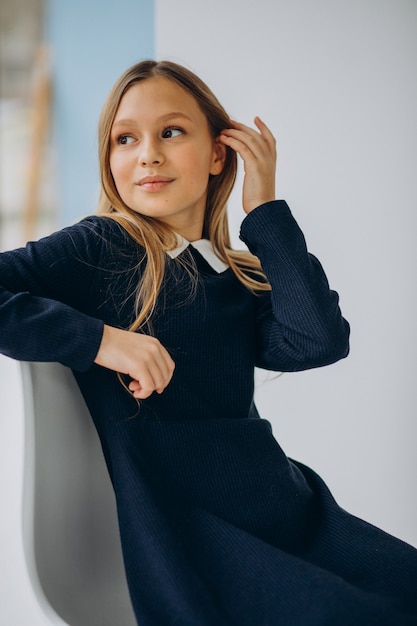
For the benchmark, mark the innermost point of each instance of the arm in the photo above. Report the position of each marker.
(40, 329)
(50, 306)
(299, 323)
(46, 311)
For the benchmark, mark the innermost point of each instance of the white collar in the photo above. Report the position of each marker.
(204, 247)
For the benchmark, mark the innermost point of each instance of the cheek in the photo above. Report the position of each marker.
(201, 165)
(118, 168)
(119, 180)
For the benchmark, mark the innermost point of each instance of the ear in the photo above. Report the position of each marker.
(218, 158)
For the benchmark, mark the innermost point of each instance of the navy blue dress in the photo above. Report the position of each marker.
(218, 526)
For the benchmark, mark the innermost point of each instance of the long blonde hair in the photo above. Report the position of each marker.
(153, 235)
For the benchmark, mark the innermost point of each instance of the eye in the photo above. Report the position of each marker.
(171, 133)
(124, 140)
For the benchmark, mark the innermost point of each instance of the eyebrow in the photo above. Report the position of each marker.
(168, 116)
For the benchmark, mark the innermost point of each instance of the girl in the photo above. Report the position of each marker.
(163, 324)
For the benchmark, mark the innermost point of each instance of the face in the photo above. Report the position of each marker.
(162, 154)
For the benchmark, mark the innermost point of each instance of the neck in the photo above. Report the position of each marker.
(190, 231)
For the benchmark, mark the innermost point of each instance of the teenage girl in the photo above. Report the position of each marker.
(162, 324)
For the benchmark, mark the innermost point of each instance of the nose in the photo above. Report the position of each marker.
(150, 152)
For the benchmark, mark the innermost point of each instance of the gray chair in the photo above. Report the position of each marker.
(71, 537)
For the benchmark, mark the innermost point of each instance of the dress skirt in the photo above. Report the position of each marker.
(220, 528)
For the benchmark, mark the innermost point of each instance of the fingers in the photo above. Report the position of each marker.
(257, 147)
(266, 134)
(152, 368)
(249, 142)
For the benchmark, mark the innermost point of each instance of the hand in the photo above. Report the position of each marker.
(141, 357)
(258, 152)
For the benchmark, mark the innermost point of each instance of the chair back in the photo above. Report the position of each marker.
(71, 536)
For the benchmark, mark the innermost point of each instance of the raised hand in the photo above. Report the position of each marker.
(141, 357)
(258, 151)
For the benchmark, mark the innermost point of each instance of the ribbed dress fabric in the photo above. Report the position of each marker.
(218, 526)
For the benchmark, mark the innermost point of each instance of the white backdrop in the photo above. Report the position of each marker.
(336, 81)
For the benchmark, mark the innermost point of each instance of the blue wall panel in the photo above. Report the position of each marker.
(92, 43)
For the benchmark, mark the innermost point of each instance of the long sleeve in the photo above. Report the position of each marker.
(48, 297)
(299, 323)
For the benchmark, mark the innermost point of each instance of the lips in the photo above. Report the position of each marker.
(154, 183)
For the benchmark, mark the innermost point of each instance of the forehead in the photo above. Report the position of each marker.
(157, 97)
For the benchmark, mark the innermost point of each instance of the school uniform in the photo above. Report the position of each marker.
(218, 526)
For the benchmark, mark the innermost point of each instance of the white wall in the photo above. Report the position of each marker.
(336, 81)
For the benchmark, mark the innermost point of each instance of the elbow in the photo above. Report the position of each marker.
(295, 352)
(334, 348)
(335, 352)
(343, 340)
(325, 350)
